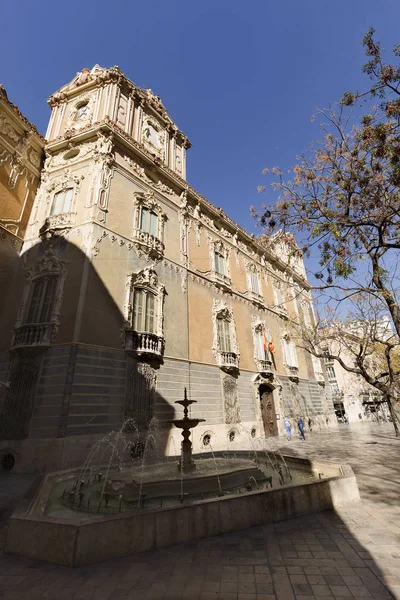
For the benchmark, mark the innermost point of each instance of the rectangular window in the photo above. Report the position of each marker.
(144, 314)
(330, 371)
(149, 221)
(42, 300)
(254, 283)
(261, 353)
(224, 335)
(316, 362)
(289, 353)
(62, 202)
(279, 299)
(334, 389)
(219, 263)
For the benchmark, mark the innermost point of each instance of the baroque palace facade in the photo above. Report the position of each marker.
(123, 285)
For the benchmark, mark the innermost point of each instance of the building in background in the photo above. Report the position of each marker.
(351, 394)
(130, 286)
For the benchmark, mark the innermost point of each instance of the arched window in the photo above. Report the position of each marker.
(62, 202)
(41, 303)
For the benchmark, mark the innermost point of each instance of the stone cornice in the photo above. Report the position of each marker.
(28, 126)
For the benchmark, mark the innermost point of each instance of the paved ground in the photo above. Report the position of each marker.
(354, 553)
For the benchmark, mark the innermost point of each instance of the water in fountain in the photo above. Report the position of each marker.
(221, 493)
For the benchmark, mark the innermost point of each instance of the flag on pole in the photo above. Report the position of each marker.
(265, 340)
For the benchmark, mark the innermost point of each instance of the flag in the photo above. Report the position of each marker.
(265, 340)
(271, 346)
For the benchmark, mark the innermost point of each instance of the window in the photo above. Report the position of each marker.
(144, 314)
(262, 354)
(254, 283)
(330, 371)
(289, 353)
(219, 263)
(279, 299)
(149, 221)
(316, 363)
(334, 388)
(81, 110)
(224, 335)
(62, 202)
(42, 300)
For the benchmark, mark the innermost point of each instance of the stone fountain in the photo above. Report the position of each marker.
(186, 463)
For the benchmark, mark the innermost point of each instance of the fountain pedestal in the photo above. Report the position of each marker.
(186, 463)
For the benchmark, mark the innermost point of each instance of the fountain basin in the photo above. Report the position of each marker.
(76, 539)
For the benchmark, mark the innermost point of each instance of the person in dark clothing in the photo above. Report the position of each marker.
(300, 425)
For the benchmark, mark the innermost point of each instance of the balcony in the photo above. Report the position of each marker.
(149, 243)
(228, 361)
(256, 298)
(264, 366)
(144, 344)
(292, 372)
(221, 279)
(34, 335)
(59, 221)
(319, 376)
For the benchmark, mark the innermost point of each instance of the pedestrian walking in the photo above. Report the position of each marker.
(300, 425)
(288, 428)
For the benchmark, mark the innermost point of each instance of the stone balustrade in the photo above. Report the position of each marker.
(33, 334)
(144, 343)
(229, 360)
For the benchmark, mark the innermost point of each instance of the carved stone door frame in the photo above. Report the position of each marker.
(273, 385)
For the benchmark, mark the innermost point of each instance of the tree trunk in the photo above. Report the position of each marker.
(393, 409)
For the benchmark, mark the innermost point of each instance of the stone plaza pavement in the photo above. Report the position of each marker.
(351, 553)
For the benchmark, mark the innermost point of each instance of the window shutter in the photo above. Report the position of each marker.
(68, 200)
(150, 313)
(227, 336)
(260, 344)
(33, 314)
(153, 224)
(293, 352)
(219, 263)
(58, 203)
(138, 316)
(144, 219)
(48, 299)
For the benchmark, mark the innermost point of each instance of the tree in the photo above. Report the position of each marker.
(343, 201)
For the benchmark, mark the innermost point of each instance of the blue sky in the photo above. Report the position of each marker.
(242, 80)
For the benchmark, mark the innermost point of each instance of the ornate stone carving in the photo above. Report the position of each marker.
(140, 398)
(17, 408)
(149, 244)
(41, 334)
(153, 136)
(144, 343)
(231, 404)
(226, 360)
(79, 118)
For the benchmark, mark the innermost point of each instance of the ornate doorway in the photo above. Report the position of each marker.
(268, 412)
